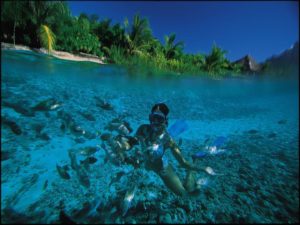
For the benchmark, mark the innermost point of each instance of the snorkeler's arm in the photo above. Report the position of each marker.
(140, 137)
(177, 154)
(141, 133)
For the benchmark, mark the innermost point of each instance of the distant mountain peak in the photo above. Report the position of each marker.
(248, 64)
(285, 62)
(295, 45)
(291, 53)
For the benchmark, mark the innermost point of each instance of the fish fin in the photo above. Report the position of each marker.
(219, 141)
(177, 128)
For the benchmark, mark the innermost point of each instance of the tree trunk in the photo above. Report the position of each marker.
(38, 39)
(14, 36)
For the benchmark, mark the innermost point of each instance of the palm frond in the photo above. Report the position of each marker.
(47, 38)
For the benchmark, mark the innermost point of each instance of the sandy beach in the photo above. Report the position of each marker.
(57, 54)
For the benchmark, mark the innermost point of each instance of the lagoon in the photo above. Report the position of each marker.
(259, 116)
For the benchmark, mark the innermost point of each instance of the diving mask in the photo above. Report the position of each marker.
(157, 118)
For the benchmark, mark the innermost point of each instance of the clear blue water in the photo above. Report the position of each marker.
(258, 117)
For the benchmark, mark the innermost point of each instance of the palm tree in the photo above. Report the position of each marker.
(104, 33)
(47, 38)
(138, 36)
(171, 50)
(44, 12)
(215, 62)
(155, 47)
(118, 34)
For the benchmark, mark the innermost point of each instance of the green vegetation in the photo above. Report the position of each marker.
(49, 24)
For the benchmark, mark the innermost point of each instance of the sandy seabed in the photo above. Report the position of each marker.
(257, 177)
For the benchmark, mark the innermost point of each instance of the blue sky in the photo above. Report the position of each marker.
(258, 28)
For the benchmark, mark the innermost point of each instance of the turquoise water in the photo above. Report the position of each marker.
(258, 117)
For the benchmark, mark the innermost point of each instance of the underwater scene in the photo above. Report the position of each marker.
(69, 152)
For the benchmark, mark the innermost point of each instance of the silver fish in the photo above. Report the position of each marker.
(127, 201)
(88, 151)
(214, 151)
(210, 171)
(62, 172)
(79, 169)
(105, 136)
(52, 107)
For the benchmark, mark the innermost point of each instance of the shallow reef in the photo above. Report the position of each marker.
(56, 167)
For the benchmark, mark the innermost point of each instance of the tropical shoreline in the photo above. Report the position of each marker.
(58, 54)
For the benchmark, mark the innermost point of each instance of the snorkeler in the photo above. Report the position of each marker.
(154, 140)
(147, 150)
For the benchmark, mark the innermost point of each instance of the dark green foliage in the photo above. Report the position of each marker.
(215, 63)
(138, 36)
(24, 19)
(42, 12)
(109, 36)
(12, 19)
(116, 54)
(77, 38)
(235, 68)
(172, 50)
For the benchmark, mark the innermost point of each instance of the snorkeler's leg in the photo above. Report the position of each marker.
(190, 181)
(172, 181)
